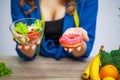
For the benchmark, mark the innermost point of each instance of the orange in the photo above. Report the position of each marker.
(109, 70)
(108, 78)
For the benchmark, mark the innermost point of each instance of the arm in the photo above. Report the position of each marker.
(88, 16)
(87, 11)
(18, 13)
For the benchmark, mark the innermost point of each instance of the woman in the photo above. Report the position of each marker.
(59, 18)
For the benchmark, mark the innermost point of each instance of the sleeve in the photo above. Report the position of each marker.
(88, 19)
(17, 13)
(87, 11)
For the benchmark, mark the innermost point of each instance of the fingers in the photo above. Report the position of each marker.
(65, 49)
(79, 48)
(71, 49)
(26, 47)
(38, 42)
(20, 46)
(84, 34)
(68, 49)
(33, 47)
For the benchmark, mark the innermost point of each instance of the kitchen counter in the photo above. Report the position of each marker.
(44, 68)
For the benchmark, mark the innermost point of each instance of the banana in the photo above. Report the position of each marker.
(92, 70)
(86, 73)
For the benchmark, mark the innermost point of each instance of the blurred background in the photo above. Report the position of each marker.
(107, 32)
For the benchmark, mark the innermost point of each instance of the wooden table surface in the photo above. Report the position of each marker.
(44, 68)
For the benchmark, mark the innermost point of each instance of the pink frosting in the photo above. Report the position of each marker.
(71, 39)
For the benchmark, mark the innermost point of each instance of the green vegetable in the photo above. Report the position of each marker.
(112, 57)
(21, 28)
(4, 70)
(105, 58)
(115, 55)
(38, 25)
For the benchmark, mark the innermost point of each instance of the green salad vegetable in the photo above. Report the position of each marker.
(112, 57)
(4, 70)
(38, 25)
(21, 28)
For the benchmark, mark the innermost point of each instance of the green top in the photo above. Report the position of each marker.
(23, 29)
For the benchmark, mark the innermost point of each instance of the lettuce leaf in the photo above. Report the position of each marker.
(105, 58)
(4, 70)
(21, 28)
(112, 57)
(38, 25)
(115, 55)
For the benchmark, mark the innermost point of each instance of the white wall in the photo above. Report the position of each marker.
(107, 33)
(108, 26)
(7, 45)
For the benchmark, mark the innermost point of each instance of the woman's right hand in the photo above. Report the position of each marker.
(28, 50)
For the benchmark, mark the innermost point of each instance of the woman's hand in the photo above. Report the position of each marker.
(79, 50)
(28, 50)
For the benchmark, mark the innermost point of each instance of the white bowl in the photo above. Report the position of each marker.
(27, 30)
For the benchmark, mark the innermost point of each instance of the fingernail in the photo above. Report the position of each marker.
(70, 50)
(79, 48)
(33, 47)
(26, 47)
(65, 49)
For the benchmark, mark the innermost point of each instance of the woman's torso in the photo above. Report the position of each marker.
(53, 30)
(53, 12)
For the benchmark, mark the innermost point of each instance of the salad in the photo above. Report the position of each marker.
(28, 33)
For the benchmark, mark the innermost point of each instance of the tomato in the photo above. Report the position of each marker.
(32, 35)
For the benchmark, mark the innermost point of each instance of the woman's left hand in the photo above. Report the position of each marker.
(80, 31)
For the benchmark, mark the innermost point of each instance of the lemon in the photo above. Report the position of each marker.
(108, 78)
